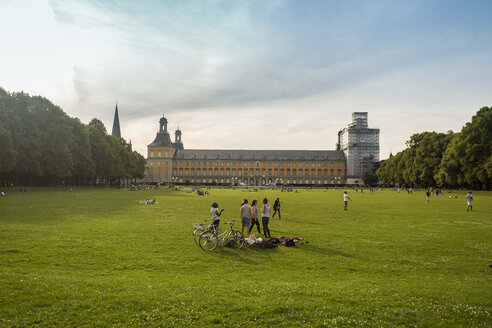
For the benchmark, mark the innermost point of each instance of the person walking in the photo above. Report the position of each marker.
(276, 208)
(254, 217)
(245, 215)
(265, 217)
(346, 198)
(469, 199)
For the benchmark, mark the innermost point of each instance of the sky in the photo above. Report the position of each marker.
(254, 74)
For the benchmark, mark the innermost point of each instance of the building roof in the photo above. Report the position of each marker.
(264, 155)
(161, 140)
(116, 124)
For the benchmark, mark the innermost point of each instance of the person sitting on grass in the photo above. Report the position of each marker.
(214, 211)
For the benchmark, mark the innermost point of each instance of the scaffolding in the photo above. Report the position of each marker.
(361, 147)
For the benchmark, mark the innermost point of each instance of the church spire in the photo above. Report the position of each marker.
(116, 123)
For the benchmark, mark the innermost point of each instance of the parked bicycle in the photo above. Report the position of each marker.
(211, 238)
(199, 228)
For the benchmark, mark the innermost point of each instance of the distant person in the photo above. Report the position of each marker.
(265, 217)
(245, 215)
(254, 217)
(276, 208)
(2, 194)
(214, 211)
(427, 195)
(346, 198)
(469, 199)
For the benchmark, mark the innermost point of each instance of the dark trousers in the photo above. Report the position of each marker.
(266, 231)
(275, 211)
(253, 222)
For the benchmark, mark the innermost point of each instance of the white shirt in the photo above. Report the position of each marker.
(345, 197)
(266, 212)
(215, 213)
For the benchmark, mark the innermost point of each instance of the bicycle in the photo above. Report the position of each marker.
(199, 228)
(212, 238)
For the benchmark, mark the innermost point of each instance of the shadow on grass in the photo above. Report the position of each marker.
(325, 251)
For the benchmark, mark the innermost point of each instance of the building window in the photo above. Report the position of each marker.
(186, 172)
(332, 165)
(263, 172)
(167, 153)
(332, 172)
(216, 172)
(269, 172)
(339, 173)
(180, 172)
(221, 172)
(228, 172)
(233, 172)
(159, 154)
(151, 153)
(239, 172)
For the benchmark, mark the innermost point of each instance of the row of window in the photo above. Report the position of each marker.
(246, 172)
(252, 182)
(159, 153)
(257, 164)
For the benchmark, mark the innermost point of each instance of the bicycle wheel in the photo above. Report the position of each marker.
(196, 234)
(236, 239)
(208, 241)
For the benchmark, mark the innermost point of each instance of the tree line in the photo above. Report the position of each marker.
(41, 145)
(449, 159)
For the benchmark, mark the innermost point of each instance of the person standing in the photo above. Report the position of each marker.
(214, 211)
(427, 195)
(276, 208)
(469, 198)
(254, 217)
(346, 198)
(265, 217)
(245, 215)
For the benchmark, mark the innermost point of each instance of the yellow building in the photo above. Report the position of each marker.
(169, 162)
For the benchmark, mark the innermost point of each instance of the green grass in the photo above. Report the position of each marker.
(95, 258)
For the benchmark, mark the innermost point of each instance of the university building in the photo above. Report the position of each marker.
(170, 162)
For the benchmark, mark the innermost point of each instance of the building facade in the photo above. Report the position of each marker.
(170, 162)
(361, 147)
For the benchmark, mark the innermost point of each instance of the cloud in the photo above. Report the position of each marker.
(256, 74)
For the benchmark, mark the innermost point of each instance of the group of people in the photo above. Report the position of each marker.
(249, 215)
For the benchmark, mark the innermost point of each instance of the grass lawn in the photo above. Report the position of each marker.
(95, 258)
